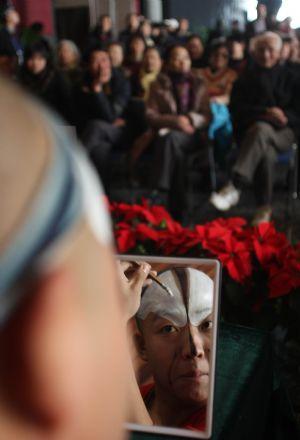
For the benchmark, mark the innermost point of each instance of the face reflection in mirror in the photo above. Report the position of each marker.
(175, 340)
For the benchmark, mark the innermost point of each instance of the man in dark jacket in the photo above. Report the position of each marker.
(9, 41)
(266, 116)
(100, 102)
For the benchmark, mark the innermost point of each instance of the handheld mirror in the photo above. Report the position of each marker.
(174, 334)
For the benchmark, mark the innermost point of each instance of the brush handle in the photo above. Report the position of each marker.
(154, 278)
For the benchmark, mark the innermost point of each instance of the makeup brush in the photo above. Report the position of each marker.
(156, 280)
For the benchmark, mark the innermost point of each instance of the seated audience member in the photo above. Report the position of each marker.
(116, 54)
(183, 32)
(39, 77)
(171, 26)
(100, 102)
(8, 64)
(237, 53)
(285, 28)
(287, 57)
(178, 109)
(164, 40)
(295, 55)
(9, 40)
(218, 32)
(141, 84)
(286, 51)
(133, 60)
(219, 79)
(150, 68)
(196, 50)
(235, 28)
(132, 27)
(68, 61)
(102, 34)
(218, 76)
(266, 116)
(260, 24)
(156, 33)
(34, 34)
(174, 339)
(145, 30)
(59, 294)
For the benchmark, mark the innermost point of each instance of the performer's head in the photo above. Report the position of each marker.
(58, 294)
(175, 334)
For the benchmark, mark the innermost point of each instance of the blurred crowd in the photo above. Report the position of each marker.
(162, 91)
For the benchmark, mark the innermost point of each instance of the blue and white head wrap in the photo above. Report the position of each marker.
(69, 192)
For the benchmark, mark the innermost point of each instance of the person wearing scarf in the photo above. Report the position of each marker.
(150, 68)
(178, 110)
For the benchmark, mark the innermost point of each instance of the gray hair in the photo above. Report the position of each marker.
(72, 46)
(266, 36)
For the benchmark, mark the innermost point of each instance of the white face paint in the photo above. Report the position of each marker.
(199, 294)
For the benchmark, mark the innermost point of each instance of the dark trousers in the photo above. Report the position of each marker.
(171, 152)
(257, 155)
(99, 138)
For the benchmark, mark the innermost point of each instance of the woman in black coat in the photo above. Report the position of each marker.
(41, 79)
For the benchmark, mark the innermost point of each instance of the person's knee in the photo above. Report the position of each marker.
(260, 129)
(97, 125)
(177, 141)
(95, 132)
(177, 137)
(259, 136)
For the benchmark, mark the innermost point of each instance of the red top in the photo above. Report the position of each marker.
(196, 422)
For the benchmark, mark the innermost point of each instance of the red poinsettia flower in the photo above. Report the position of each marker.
(130, 212)
(169, 243)
(161, 215)
(233, 223)
(125, 237)
(230, 240)
(145, 232)
(267, 243)
(213, 237)
(236, 258)
(284, 275)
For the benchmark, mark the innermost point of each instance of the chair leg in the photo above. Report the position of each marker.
(292, 189)
(293, 181)
(296, 171)
(212, 168)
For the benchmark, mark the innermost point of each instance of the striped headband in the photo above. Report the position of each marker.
(70, 190)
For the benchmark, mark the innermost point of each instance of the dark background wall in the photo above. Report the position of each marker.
(203, 12)
(206, 12)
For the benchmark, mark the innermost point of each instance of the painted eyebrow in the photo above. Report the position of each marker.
(208, 317)
(160, 318)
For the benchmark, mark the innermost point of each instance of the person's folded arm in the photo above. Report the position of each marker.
(120, 98)
(101, 107)
(156, 119)
(202, 117)
(242, 106)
